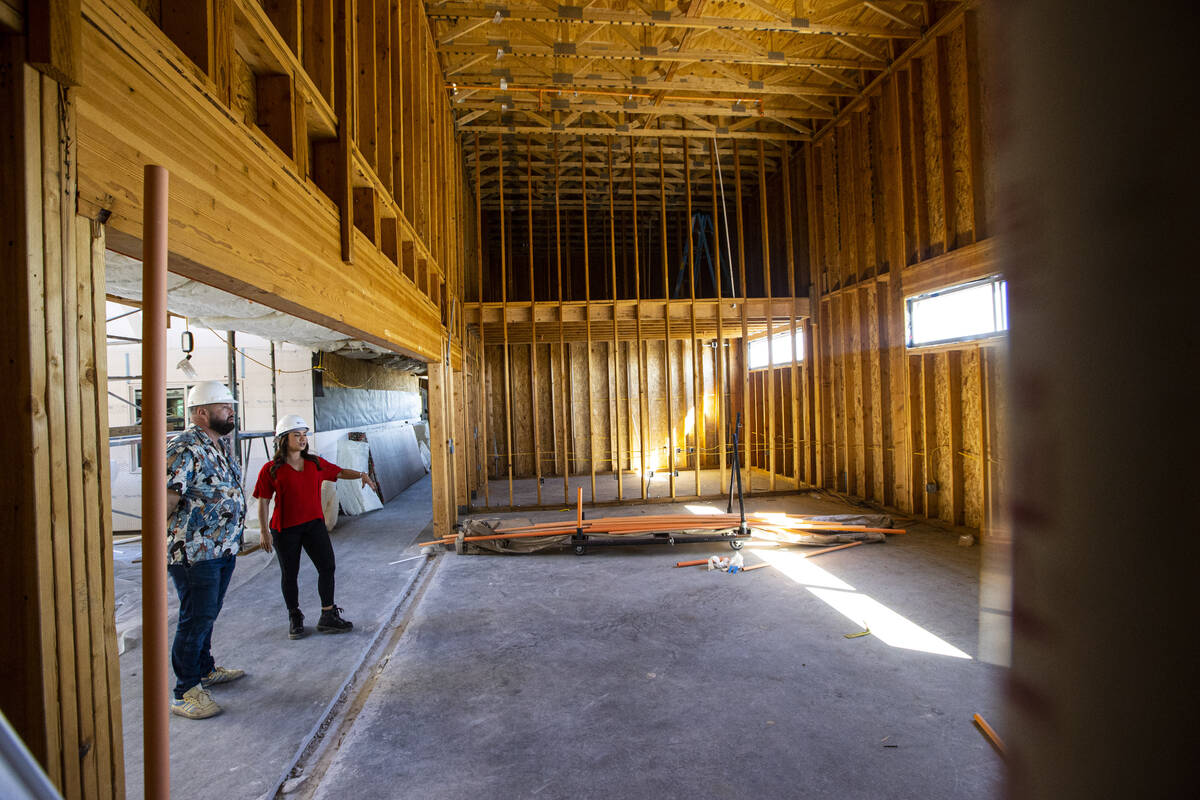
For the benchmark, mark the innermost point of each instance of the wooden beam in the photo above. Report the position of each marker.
(668, 19)
(534, 388)
(666, 326)
(618, 464)
(52, 39)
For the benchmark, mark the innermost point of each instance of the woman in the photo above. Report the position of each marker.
(294, 479)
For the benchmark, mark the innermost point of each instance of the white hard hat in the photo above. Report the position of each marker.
(207, 392)
(292, 422)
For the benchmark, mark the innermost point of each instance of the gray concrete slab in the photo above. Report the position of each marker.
(614, 675)
(242, 752)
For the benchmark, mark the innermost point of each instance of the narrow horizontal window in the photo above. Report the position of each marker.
(958, 313)
(783, 350)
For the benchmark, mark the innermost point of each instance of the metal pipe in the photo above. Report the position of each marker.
(155, 684)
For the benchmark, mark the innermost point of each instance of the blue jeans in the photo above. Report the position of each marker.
(201, 588)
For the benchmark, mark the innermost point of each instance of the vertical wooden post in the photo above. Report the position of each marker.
(504, 323)
(697, 401)
(714, 160)
(737, 173)
(534, 389)
(618, 464)
(766, 258)
(562, 344)
(587, 310)
(439, 434)
(667, 322)
(483, 395)
(637, 282)
(789, 244)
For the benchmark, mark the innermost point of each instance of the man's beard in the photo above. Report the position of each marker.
(224, 426)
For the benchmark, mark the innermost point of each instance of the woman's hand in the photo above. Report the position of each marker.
(366, 481)
(265, 539)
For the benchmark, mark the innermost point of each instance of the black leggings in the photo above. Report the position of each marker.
(314, 538)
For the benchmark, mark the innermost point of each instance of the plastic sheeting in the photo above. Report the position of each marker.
(353, 497)
(397, 459)
(359, 408)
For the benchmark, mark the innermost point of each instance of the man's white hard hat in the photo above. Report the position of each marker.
(292, 422)
(207, 392)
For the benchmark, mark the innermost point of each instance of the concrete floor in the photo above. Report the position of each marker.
(613, 675)
(243, 752)
(608, 675)
(657, 486)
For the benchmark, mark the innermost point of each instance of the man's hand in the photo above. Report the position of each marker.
(173, 499)
(265, 539)
(366, 480)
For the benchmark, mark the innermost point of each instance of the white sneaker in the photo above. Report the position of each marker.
(197, 703)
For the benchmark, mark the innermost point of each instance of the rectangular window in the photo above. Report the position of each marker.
(176, 420)
(782, 351)
(958, 313)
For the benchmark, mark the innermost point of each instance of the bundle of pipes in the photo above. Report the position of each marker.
(671, 523)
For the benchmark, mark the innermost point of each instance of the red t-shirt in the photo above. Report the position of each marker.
(297, 494)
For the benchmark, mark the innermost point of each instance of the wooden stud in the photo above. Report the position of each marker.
(745, 293)
(483, 393)
(719, 383)
(697, 400)
(956, 413)
(504, 308)
(587, 285)
(534, 391)
(641, 366)
(766, 258)
(949, 232)
(929, 428)
(562, 345)
(789, 244)
(666, 324)
(916, 141)
(974, 112)
(618, 464)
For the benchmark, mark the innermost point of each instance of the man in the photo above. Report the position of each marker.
(206, 510)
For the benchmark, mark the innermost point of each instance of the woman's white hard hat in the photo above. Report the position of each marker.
(292, 422)
(208, 392)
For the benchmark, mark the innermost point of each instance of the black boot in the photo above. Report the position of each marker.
(331, 621)
(296, 626)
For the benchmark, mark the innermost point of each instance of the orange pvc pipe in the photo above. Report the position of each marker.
(990, 735)
(831, 549)
(579, 501)
(695, 563)
(155, 675)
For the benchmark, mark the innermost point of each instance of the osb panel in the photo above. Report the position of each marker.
(602, 456)
(959, 146)
(522, 416)
(830, 256)
(243, 100)
(657, 431)
(858, 426)
(986, 91)
(546, 393)
(866, 188)
(581, 444)
(497, 413)
(848, 255)
(944, 462)
(972, 440)
(871, 310)
(934, 202)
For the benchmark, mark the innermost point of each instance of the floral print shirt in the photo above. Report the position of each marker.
(209, 520)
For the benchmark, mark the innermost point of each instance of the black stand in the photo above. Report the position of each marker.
(581, 541)
(735, 473)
